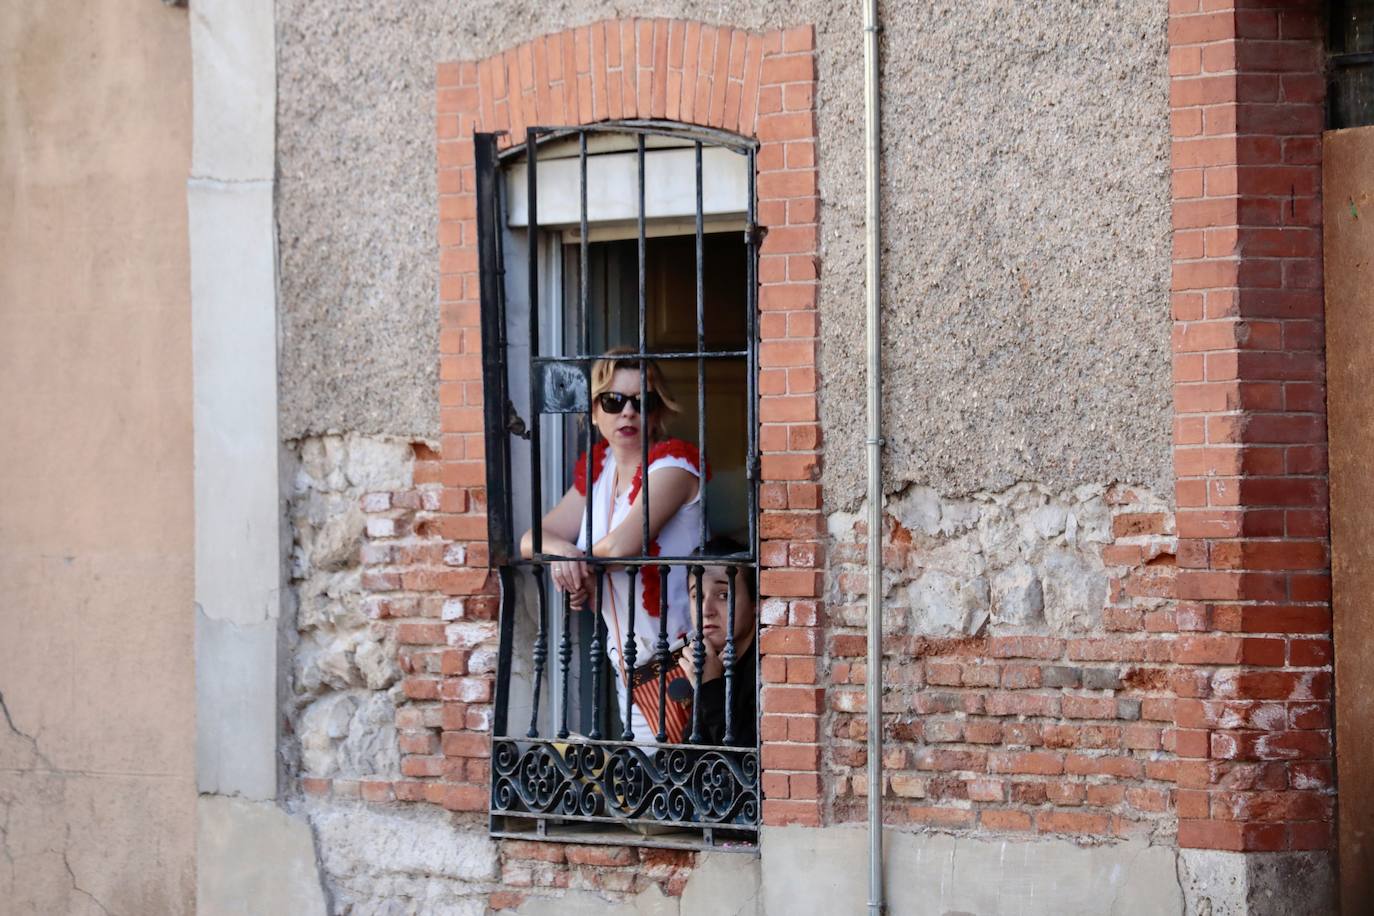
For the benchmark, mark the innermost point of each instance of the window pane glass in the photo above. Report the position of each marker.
(1351, 101)
(1352, 26)
(1350, 94)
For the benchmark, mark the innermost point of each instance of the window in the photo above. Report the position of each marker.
(1350, 93)
(638, 236)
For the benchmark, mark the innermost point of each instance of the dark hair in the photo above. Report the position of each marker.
(723, 546)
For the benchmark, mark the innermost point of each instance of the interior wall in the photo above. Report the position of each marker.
(97, 795)
(1348, 228)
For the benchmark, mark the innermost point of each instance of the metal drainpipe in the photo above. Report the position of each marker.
(874, 442)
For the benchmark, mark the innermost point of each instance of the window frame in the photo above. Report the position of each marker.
(502, 421)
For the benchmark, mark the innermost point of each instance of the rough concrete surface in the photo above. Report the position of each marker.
(648, 902)
(1217, 883)
(1026, 262)
(419, 860)
(254, 858)
(410, 861)
(97, 716)
(721, 884)
(1026, 225)
(810, 872)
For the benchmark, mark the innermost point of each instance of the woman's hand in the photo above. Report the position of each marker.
(713, 667)
(573, 579)
(560, 528)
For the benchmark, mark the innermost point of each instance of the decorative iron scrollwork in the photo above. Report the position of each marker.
(673, 784)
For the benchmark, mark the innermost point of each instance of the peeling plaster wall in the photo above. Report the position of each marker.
(1024, 560)
(402, 862)
(1026, 226)
(412, 861)
(97, 717)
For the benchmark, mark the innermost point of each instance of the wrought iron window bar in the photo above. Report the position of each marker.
(548, 781)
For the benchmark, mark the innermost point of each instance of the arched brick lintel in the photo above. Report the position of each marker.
(663, 69)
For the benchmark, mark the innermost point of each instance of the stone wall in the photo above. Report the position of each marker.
(389, 705)
(400, 860)
(381, 655)
(1021, 560)
(1027, 652)
(345, 675)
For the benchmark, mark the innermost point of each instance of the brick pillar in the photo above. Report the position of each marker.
(1253, 708)
(790, 524)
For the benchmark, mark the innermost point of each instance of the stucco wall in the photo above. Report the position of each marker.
(1026, 228)
(97, 791)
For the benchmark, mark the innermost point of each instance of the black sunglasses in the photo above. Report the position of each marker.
(613, 402)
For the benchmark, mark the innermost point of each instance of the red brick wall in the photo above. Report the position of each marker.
(1048, 734)
(1253, 712)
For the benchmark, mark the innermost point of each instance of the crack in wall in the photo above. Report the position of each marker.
(1189, 909)
(197, 180)
(747, 905)
(81, 890)
(8, 803)
(31, 739)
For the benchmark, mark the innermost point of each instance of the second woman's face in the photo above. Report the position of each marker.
(621, 429)
(715, 607)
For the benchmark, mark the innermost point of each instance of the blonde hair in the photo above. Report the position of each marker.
(604, 370)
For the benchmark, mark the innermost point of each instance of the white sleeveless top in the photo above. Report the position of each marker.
(678, 538)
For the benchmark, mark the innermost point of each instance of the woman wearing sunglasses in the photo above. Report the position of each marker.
(622, 414)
